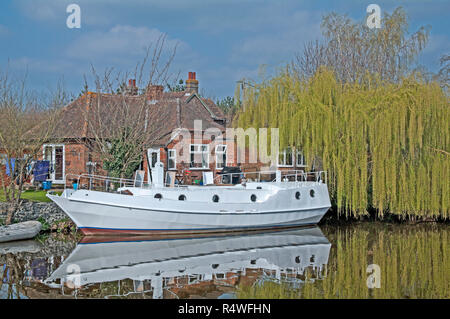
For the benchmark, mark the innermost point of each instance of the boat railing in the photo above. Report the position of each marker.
(270, 176)
(114, 184)
(98, 182)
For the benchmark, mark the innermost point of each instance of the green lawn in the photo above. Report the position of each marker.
(36, 196)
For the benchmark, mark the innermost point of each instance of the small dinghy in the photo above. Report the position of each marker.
(20, 231)
(22, 246)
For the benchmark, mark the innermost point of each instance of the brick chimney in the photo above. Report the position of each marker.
(191, 83)
(132, 88)
(154, 93)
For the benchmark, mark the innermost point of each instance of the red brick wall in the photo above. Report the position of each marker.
(76, 156)
(195, 173)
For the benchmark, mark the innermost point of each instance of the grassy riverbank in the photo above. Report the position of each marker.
(35, 196)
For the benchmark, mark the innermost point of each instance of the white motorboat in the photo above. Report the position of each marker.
(292, 199)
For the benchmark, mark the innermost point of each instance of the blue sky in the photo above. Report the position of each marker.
(223, 41)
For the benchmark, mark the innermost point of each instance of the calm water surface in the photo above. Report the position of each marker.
(367, 260)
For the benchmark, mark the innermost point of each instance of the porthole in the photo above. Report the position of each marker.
(215, 198)
(253, 198)
(297, 259)
(311, 193)
(158, 196)
(182, 197)
(214, 266)
(297, 195)
(253, 261)
(312, 259)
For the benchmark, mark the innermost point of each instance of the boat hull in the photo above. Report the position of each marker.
(110, 214)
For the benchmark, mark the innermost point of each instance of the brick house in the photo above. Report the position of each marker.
(166, 113)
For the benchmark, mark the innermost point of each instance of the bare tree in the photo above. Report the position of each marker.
(118, 126)
(27, 121)
(352, 49)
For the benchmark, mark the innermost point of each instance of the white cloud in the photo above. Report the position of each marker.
(119, 42)
(280, 40)
(122, 47)
(60, 66)
(106, 12)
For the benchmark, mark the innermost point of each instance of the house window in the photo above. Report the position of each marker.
(56, 156)
(199, 156)
(153, 157)
(3, 159)
(172, 158)
(285, 158)
(221, 156)
(300, 159)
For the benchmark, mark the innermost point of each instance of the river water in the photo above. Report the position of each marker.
(363, 260)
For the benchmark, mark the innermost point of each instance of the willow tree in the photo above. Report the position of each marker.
(386, 145)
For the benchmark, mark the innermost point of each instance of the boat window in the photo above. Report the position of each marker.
(259, 187)
(214, 266)
(253, 198)
(297, 259)
(182, 197)
(297, 195)
(158, 196)
(215, 198)
(312, 193)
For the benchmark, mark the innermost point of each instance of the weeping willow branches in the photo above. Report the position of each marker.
(386, 145)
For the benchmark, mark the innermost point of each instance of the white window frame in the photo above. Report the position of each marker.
(284, 157)
(149, 155)
(198, 152)
(221, 152)
(172, 157)
(53, 162)
(302, 164)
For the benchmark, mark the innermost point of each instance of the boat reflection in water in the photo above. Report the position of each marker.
(158, 265)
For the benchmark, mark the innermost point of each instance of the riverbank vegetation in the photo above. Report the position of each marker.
(383, 136)
(35, 196)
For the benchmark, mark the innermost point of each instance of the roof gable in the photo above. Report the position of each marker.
(173, 110)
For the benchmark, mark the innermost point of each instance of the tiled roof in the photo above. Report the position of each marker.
(161, 118)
